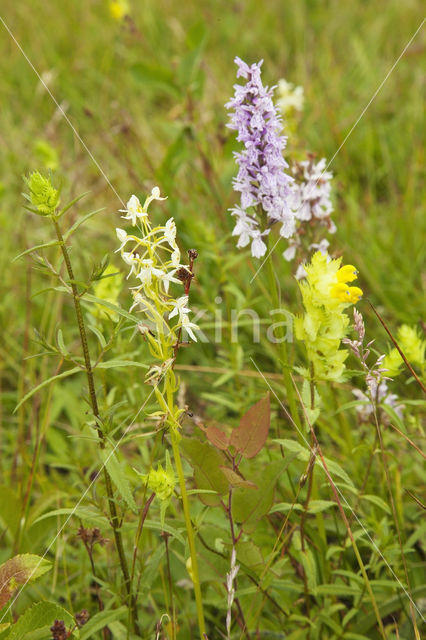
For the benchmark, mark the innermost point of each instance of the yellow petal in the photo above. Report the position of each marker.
(347, 273)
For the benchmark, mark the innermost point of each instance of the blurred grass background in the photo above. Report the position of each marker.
(146, 95)
(125, 88)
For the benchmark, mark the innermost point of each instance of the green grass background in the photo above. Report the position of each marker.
(147, 98)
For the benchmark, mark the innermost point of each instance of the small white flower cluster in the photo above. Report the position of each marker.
(247, 229)
(377, 387)
(382, 395)
(290, 97)
(152, 296)
(310, 191)
(312, 206)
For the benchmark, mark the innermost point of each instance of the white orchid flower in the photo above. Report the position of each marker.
(175, 258)
(132, 259)
(188, 326)
(179, 307)
(138, 300)
(134, 210)
(155, 195)
(148, 270)
(123, 238)
(170, 233)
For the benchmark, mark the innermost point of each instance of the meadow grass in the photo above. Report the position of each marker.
(146, 96)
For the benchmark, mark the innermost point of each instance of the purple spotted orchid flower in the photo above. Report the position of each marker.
(262, 182)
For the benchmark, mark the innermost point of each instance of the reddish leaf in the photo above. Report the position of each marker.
(252, 432)
(219, 439)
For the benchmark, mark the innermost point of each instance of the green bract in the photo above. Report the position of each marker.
(42, 194)
(412, 346)
(161, 482)
(324, 324)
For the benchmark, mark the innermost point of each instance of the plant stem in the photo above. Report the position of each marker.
(190, 534)
(273, 288)
(115, 522)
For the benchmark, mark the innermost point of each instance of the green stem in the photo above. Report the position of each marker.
(190, 534)
(273, 288)
(115, 521)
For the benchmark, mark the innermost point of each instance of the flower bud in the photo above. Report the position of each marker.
(42, 194)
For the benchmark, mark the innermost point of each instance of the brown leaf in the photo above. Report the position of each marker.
(18, 571)
(219, 439)
(252, 432)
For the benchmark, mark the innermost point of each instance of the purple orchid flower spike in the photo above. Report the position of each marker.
(262, 182)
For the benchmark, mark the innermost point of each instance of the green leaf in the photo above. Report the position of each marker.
(368, 621)
(45, 245)
(84, 513)
(316, 506)
(39, 615)
(249, 505)
(61, 344)
(104, 303)
(156, 526)
(285, 507)
(197, 35)
(249, 554)
(117, 364)
(118, 476)
(9, 509)
(43, 384)
(308, 561)
(304, 455)
(235, 480)
(377, 501)
(101, 620)
(18, 571)
(155, 77)
(339, 589)
(80, 221)
(98, 334)
(252, 432)
(207, 463)
(71, 204)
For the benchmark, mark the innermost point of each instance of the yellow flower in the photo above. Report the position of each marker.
(348, 273)
(326, 294)
(346, 294)
(119, 9)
